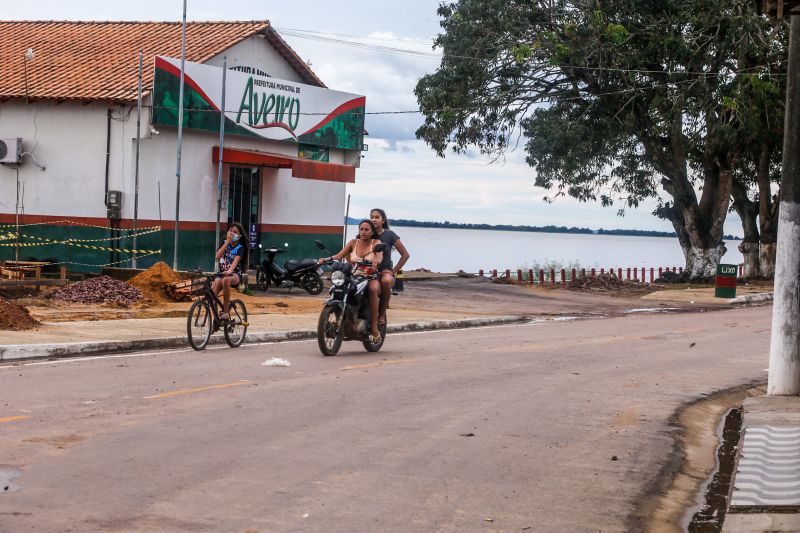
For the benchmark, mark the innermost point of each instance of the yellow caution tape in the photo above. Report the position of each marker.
(105, 249)
(26, 244)
(101, 265)
(110, 264)
(75, 223)
(130, 236)
(70, 242)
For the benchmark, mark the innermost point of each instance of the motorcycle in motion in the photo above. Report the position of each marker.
(346, 315)
(303, 273)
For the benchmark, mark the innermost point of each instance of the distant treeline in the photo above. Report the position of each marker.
(539, 229)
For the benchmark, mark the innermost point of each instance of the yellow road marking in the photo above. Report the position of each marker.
(375, 365)
(199, 389)
(12, 418)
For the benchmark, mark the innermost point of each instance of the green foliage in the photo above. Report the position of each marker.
(617, 33)
(616, 101)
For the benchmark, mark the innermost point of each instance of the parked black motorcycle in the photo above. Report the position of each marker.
(303, 273)
(346, 315)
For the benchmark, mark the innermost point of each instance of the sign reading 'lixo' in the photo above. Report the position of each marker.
(725, 282)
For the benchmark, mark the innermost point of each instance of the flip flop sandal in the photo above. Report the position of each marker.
(375, 339)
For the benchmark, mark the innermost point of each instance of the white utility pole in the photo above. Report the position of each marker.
(784, 355)
(180, 141)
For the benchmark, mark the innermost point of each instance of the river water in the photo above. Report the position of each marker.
(451, 250)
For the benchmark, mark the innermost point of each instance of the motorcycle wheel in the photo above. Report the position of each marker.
(262, 280)
(312, 283)
(375, 346)
(330, 330)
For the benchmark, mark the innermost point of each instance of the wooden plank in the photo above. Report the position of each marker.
(28, 282)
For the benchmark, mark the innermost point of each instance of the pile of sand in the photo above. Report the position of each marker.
(153, 280)
(16, 317)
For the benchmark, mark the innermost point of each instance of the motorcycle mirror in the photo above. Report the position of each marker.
(286, 244)
(319, 245)
(259, 245)
(379, 247)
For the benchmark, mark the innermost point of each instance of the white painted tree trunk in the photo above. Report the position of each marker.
(702, 262)
(784, 350)
(750, 252)
(766, 259)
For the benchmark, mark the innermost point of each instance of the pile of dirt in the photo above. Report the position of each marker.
(153, 281)
(598, 282)
(16, 317)
(102, 289)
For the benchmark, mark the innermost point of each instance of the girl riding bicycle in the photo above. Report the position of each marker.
(232, 254)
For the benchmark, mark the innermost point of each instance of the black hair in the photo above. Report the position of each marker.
(245, 242)
(383, 216)
(371, 225)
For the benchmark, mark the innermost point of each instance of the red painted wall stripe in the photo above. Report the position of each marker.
(127, 223)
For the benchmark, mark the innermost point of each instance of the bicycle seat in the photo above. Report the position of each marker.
(297, 264)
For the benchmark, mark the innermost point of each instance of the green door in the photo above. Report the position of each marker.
(243, 205)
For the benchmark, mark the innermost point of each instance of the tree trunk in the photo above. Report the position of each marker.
(701, 259)
(705, 221)
(699, 225)
(767, 216)
(702, 262)
(766, 257)
(752, 260)
(748, 213)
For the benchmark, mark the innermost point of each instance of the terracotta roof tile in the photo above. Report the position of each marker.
(100, 60)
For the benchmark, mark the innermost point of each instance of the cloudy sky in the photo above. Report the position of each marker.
(398, 172)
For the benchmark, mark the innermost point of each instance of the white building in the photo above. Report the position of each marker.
(68, 90)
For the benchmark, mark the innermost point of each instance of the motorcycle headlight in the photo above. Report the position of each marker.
(337, 278)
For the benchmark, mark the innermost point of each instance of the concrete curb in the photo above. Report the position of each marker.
(13, 352)
(751, 298)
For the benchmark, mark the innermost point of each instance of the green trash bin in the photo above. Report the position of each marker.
(725, 281)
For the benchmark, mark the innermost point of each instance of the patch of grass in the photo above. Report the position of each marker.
(548, 265)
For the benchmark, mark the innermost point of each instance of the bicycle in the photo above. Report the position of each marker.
(204, 316)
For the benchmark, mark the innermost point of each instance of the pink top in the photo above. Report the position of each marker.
(355, 256)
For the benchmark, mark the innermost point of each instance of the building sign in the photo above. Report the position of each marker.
(258, 106)
(253, 236)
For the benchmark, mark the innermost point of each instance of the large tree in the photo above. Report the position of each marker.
(618, 101)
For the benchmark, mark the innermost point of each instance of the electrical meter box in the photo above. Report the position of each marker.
(114, 199)
(114, 204)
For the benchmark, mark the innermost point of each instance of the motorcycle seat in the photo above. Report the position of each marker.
(296, 264)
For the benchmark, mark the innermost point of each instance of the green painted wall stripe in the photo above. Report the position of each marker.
(196, 248)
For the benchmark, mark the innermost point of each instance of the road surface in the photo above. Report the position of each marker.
(548, 426)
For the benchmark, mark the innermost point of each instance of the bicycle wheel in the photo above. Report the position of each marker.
(236, 328)
(199, 324)
(330, 330)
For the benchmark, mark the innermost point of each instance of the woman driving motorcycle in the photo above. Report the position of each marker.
(357, 250)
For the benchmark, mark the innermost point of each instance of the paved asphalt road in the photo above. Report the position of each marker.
(512, 428)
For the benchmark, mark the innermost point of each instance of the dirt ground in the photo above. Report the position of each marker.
(473, 295)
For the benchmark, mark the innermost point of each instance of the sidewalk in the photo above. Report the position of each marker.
(765, 493)
(66, 339)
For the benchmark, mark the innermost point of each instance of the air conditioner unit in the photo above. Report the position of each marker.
(11, 150)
